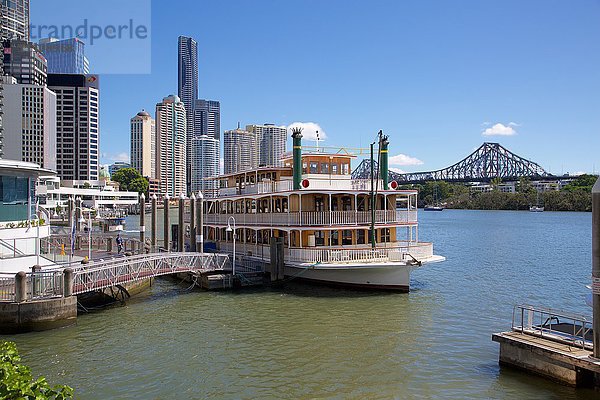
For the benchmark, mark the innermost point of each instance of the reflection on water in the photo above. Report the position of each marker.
(299, 341)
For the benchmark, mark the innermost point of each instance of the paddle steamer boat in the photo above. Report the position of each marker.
(324, 218)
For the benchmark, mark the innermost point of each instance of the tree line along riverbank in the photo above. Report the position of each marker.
(576, 196)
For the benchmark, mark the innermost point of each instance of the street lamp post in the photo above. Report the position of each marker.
(232, 230)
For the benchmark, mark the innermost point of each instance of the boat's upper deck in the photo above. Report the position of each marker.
(328, 173)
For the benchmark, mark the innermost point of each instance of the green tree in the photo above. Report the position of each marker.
(524, 185)
(16, 381)
(583, 182)
(125, 177)
(140, 185)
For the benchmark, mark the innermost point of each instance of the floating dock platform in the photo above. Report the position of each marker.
(553, 344)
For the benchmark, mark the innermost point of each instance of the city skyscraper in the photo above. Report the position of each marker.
(207, 118)
(272, 143)
(205, 164)
(187, 84)
(171, 145)
(240, 151)
(143, 144)
(30, 122)
(77, 125)
(14, 19)
(24, 61)
(65, 56)
(14, 24)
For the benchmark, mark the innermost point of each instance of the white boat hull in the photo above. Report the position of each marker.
(375, 276)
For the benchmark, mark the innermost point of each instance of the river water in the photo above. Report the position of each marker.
(305, 342)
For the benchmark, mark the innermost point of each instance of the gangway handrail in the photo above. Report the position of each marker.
(539, 321)
(107, 273)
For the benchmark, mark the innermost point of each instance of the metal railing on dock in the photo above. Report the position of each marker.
(7, 287)
(559, 326)
(100, 274)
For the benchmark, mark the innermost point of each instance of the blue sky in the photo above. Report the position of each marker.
(434, 75)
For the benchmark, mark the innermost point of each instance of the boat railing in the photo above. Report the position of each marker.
(352, 254)
(323, 183)
(559, 326)
(316, 218)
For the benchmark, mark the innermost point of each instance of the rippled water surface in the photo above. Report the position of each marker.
(304, 342)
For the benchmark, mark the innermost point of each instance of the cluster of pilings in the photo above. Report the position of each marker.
(196, 223)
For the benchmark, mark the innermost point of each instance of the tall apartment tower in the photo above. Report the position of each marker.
(143, 144)
(65, 56)
(187, 83)
(14, 19)
(205, 164)
(30, 123)
(272, 143)
(77, 125)
(240, 150)
(14, 24)
(171, 145)
(207, 118)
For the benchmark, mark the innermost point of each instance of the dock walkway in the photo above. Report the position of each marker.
(101, 274)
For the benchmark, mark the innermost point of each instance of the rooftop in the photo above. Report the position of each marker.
(23, 167)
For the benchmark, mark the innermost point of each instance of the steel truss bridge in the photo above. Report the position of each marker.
(103, 274)
(488, 162)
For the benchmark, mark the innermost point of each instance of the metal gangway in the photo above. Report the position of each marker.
(77, 278)
(554, 325)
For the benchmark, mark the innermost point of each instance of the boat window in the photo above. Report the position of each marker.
(319, 238)
(385, 235)
(361, 203)
(346, 238)
(314, 167)
(334, 169)
(360, 238)
(345, 169)
(324, 168)
(334, 238)
(319, 204)
(284, 203)
(346, 204)
(334, 204)
(304, 168)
